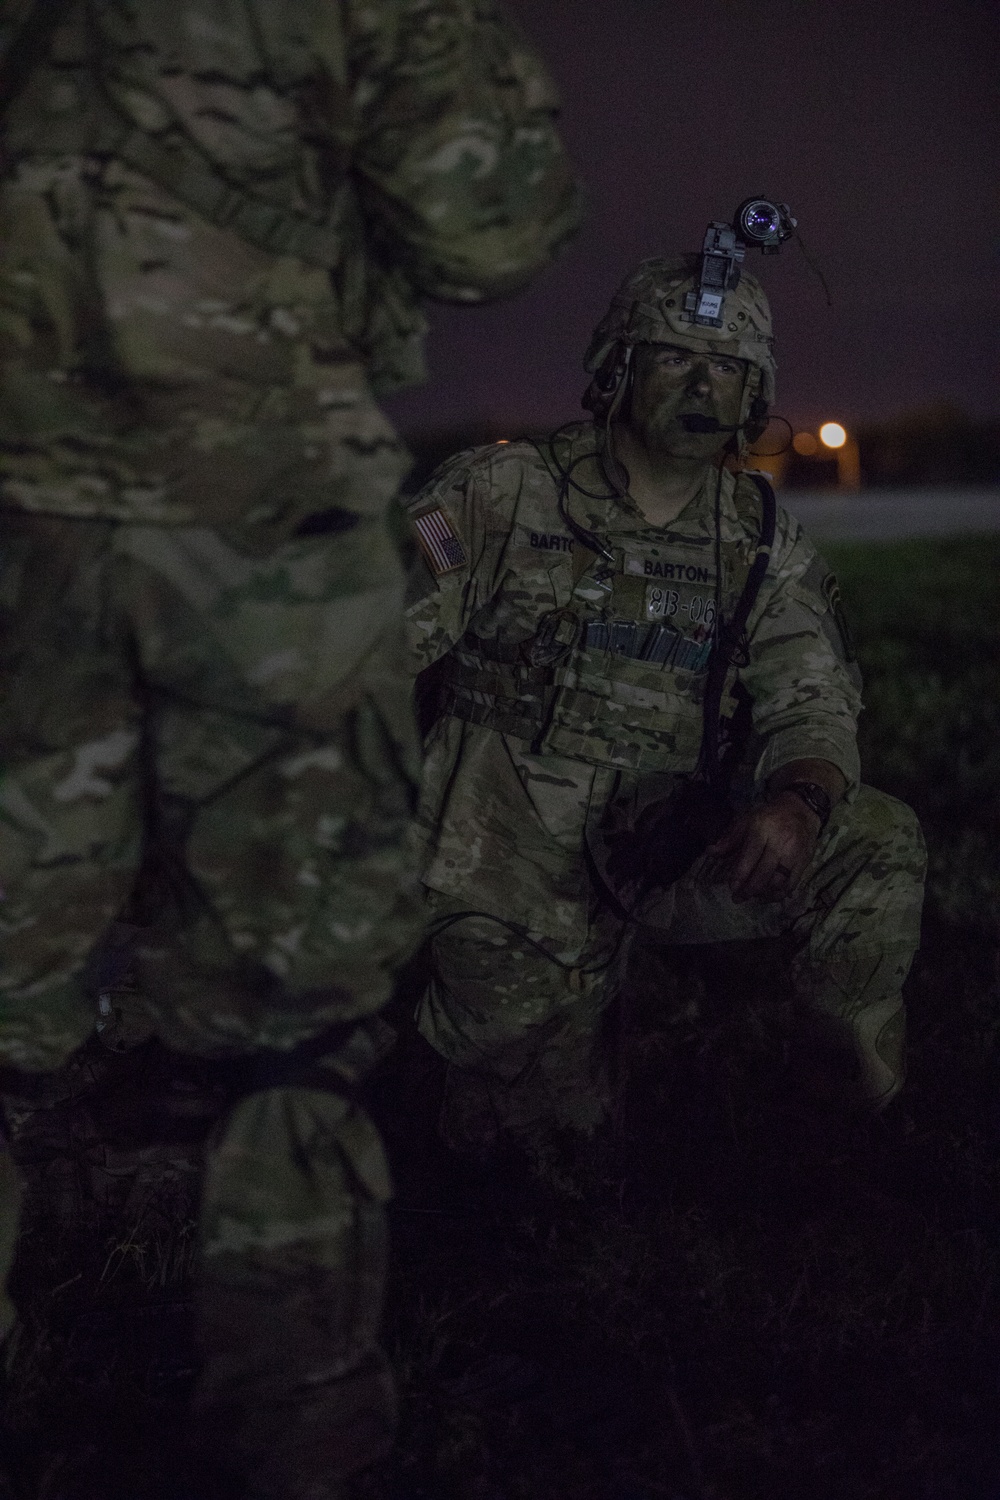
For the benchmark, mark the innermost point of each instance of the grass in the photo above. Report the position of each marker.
(102, 1354)
(739, 1298)
(732, 1295)
(926, 616)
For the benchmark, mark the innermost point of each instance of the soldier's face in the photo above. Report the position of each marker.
(671, 382)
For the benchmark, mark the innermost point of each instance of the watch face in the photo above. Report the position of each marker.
(815, 797)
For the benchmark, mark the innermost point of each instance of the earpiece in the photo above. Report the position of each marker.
(757, 419)
(605, 389)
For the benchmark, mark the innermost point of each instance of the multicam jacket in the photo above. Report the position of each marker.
(566, 674)
(216, 221)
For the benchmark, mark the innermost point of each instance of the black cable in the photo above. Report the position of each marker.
(756, 453)
(565, 474)
(442, 924)
(582, 534)
(574, 484)
(814, 267)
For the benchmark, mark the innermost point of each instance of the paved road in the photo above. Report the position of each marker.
(889, 515)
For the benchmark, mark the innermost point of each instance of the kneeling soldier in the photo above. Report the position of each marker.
(648, 704)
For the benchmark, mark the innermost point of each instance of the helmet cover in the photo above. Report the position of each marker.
(648, 308)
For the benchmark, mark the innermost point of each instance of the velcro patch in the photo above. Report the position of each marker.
(438, 542)
(677, 572)
(830, 589)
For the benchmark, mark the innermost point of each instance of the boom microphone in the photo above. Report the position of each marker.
(696, 421)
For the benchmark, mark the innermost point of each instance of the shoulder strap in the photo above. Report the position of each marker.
(184, 173)
(28, 47)
(730, 632)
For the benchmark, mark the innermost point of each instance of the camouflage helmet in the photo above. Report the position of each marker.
(648, 308)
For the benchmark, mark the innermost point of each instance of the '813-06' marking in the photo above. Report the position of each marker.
(663, 604)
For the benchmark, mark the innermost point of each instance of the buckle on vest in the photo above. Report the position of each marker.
(555, 637)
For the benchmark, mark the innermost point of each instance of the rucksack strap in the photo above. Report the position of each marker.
(730, 634)
(183, 172)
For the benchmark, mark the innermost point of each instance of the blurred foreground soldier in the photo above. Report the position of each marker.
(648, 716)
(215, 227)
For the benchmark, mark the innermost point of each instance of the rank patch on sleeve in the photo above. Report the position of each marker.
(438, 542)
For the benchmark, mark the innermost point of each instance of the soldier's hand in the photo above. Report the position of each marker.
(764, 852)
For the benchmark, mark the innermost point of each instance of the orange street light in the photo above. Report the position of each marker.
(833, 435)
(804, 444)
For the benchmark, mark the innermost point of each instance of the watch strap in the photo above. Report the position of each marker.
(815, 797)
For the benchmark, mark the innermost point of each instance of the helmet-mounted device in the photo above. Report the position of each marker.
(757, 224)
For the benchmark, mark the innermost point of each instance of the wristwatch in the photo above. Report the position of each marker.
(815, 797)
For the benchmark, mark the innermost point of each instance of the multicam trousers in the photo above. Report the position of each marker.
(219, 735)
(518, 1019)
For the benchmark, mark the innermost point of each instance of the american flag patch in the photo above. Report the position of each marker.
(438, 542)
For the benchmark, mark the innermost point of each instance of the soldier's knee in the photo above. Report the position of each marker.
(880, 1047)
(872, 1036)
(891, 828)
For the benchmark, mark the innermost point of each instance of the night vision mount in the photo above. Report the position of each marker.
(758, 224)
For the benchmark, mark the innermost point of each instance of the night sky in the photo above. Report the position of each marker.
(876, 120)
